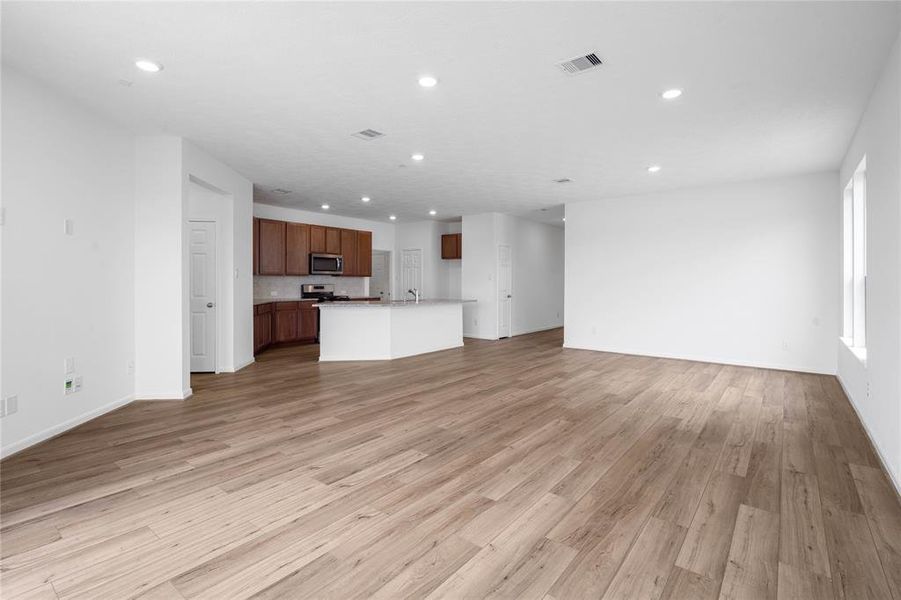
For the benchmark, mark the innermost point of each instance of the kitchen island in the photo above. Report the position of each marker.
(387, 330)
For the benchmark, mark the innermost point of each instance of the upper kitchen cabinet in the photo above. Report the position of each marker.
(317, 239)
(332, 240)
(297, 243)
(452, 246)
(272, 247)
(364, 254)
(349, 252)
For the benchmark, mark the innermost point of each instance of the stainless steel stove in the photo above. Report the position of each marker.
(323, 292)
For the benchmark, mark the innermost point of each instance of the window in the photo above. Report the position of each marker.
(854, 263)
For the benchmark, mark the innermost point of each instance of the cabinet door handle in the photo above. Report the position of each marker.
(210, 305)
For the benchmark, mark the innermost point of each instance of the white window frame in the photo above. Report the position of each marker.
(854, 262)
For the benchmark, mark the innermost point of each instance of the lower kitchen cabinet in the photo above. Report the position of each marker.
(262, 327)
(309, 321)
(284, 322)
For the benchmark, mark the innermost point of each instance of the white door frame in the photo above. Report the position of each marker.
(217, 316)
(500, 304)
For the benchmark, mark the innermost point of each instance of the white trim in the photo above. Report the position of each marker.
(537, 329)
(240, 366)
(61, 428)
(709, 359)
(882, 461)
(859, 353)
(183, 395)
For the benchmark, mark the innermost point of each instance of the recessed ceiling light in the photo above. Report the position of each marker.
(417, 156)
(433, 212)
(653, 168)
(148, 65)
(671, 94)
(393, 218)
(364, 199)
(564, 219)
(325, 207)
(428, 81)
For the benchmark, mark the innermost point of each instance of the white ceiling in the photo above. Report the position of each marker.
(276, 89)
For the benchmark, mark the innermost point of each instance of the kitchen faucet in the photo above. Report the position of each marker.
(415, 293)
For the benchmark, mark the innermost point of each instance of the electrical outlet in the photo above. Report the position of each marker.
(69, 386)
(69, 227)
(79, 381)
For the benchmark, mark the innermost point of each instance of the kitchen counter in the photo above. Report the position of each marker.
(258, 301)
(388, 330)
(391, 304)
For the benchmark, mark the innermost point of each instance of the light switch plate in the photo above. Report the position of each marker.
(69, 227)
(69, 365)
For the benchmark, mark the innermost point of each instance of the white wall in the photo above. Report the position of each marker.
(742, 274)
(440, 277)
(167, 169)
(875, 387)
(537, 280)
(63, 296)
(236, 301)
(160, 360)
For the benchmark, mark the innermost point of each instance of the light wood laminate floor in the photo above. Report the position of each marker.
(511, 469)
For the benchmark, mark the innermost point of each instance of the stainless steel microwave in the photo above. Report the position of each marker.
(326, 264)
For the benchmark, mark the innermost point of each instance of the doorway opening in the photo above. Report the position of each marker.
(380, 281)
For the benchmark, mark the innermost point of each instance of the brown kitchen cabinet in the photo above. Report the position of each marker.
(297, 249)
(317, 239)
(364, 254)
(452, 246)
(272, 247)
(349, 252)
(332, 240)
(262, 327)
(308, 321)
(285, 328)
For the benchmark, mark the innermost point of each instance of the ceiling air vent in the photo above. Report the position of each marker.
(581, 64)
(564, 180)
(368, 134)
(280, 191)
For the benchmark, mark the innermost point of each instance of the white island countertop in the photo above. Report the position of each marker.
(390, 304)
(351, 330)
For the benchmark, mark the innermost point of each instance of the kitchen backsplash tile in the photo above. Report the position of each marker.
(289, 287)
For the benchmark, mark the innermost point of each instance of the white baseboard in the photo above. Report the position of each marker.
(246, 363)
(776, 366)
(183, 395)
(537, 329)
(56, 430)
(892, 477)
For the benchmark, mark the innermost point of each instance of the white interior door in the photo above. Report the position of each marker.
(380, 282)
(411, 271)
(202, 238)
(504, 292)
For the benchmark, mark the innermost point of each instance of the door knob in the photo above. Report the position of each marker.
(210, 305)
(509, 295)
